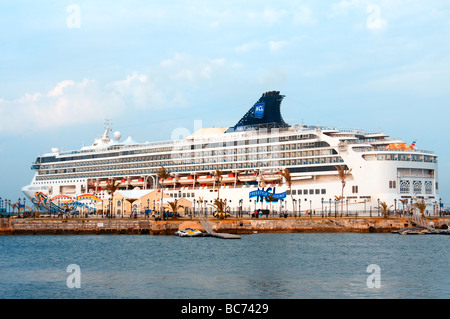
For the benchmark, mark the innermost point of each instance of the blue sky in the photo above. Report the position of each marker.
(153, 67)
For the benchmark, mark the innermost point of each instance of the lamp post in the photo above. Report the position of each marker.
(365, 201)
(329, 212)
(335, 208)
(240, 207)
(299, 207)
(310, 208)
(294, 204)
(378, 208)
(395, 205)
(322, 206)
(347, 206)
(194, 205)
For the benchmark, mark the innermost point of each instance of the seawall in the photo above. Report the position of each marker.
(19, 226)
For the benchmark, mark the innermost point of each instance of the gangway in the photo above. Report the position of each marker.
(421, 222)
(208, 228)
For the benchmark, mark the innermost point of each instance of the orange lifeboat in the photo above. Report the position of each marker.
(230, 178)
(185, 180)
(169, 181)
(137, 182)
(271, 177)
(400, 146)
(247, 177)
(208, 179)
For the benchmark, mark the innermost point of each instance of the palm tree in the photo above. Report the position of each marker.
(13, 206)
(162, 175)
(40, 202)
(270, 198)
(338, 199)
(66, 209)
(111, 188)
(200, 200)
(343, 173)
(421, 206)
(217, 178)
(287, 176)
(404, 201)
(384, 208)
(221, 207)
(174, 207)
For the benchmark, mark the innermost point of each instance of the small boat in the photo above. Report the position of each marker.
(189, 232)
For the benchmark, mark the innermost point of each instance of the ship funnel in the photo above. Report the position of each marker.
(265, 113)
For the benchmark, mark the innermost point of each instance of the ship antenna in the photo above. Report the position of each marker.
(107, 129)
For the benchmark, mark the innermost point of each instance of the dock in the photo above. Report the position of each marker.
(421, 226)
(421, 231)
(212, 233)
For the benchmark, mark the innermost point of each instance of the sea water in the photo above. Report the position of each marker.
(258, 266)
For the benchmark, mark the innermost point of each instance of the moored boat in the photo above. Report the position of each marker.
(189, 232)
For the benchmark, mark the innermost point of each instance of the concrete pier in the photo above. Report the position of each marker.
(13, 226)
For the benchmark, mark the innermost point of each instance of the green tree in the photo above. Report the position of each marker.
(111, 188)
(162, 175)
(287, 177)
(217, 178)
(343, 174)
(385, 208)
(221, 208)
(421, 206)
(270, 198)
(174, 207)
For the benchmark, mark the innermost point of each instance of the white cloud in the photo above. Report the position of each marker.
(303, 16)
(247, 47)
(343, 7)
(268, 17)
(66, 104)
(70, 102)
(58, 90)
(276, 46)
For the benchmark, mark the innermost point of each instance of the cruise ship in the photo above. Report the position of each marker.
(328, 167)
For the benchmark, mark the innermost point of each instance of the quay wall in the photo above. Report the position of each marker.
(17, 226)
